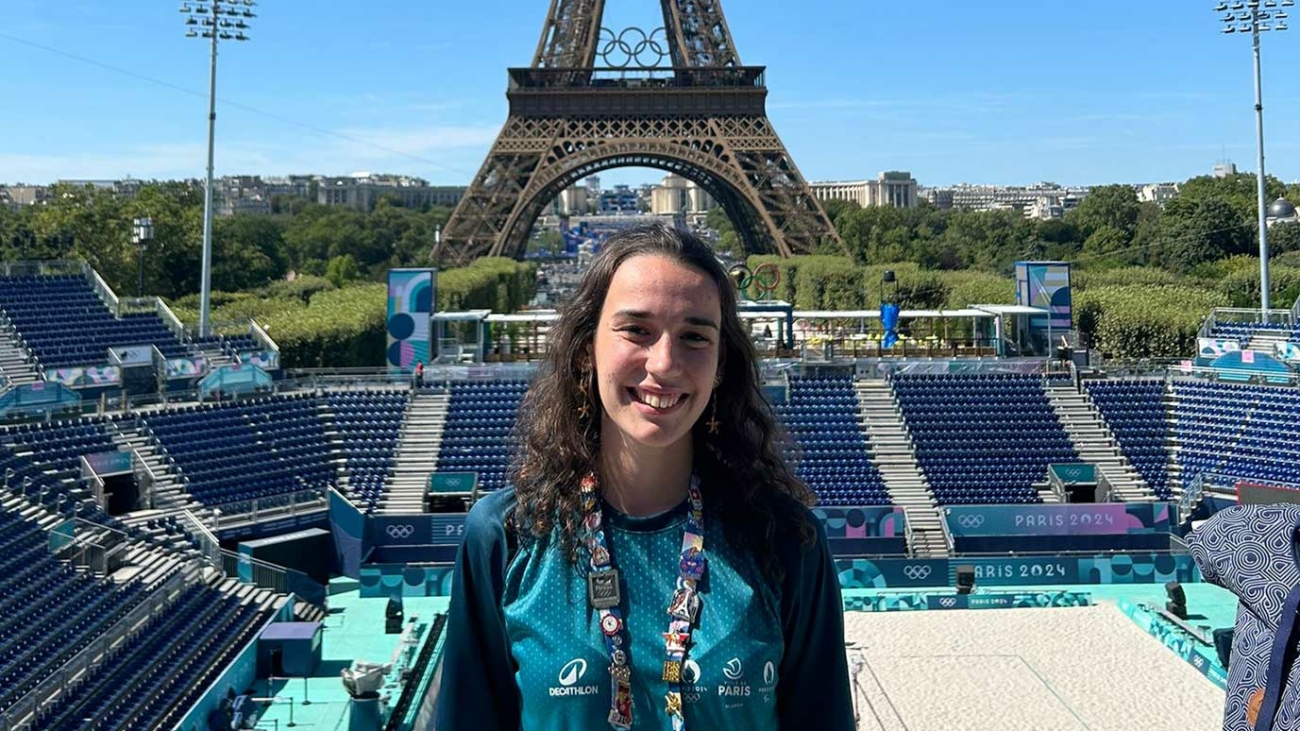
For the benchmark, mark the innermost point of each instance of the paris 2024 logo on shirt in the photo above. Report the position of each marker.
(570, 678)
(737, 685)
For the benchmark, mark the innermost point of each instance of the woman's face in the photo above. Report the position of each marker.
(656, 350)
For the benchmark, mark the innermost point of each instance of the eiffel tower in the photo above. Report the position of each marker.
(677, 99)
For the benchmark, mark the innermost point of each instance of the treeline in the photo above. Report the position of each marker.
(1211, 219)
(248, 251)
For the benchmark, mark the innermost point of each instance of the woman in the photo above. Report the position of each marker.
(654, 564)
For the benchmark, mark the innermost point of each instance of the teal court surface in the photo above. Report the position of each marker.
(354, 629)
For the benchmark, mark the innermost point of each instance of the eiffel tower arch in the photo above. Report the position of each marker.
(677, 99)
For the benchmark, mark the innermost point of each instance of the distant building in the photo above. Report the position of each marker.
(26, 195)
(572, 201)
(894, 189)
(127, 188)
(676, 195)
(1041, 200)
(1225, 169)
(1158, 193)
(593, 185)
(622, 200)
(363, 190)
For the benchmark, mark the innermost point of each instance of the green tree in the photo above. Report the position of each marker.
(342, 269)
(1194, 231)
(1108, 206)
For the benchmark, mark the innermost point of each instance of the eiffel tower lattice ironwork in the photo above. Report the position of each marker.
(677, 99)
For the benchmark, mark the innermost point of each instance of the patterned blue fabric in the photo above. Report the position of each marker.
(1251, 551)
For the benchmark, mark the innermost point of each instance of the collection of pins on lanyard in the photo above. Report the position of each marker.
(604, 594)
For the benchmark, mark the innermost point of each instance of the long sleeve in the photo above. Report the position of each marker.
(813, 691)
(478, 689)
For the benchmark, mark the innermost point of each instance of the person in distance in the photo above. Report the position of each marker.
(654, 564)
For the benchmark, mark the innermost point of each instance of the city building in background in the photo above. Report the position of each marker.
(1158, 193)
(676, 195)
(894, 189)
(362, 191)
(1042, 200)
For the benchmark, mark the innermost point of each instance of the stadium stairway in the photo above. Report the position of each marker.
(891, 450)
(1264, 341)
(1095, 443)
(417, 453)
(168, 493)
(214, 354)
(15, 360)
(329, 422)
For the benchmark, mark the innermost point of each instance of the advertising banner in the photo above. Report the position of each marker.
(1090, 519)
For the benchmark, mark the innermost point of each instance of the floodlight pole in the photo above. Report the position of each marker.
(1273, 15)
(205, 291)
(1259, 146)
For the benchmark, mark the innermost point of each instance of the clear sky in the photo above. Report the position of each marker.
(1003, 91)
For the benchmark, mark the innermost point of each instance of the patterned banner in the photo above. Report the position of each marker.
(267, 360)
(869, 522)
(85, 377)
(1288, 351)
(1045, 285)
(410, 317)
(1215, 347)
(1058, 520)
(186, 367)
(932, 602)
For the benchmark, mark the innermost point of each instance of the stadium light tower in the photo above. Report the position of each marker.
(214, 20)
(1255, 17)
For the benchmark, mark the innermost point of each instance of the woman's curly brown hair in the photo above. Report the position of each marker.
(745, 482)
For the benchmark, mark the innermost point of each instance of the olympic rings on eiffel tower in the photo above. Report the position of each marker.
(633, 48)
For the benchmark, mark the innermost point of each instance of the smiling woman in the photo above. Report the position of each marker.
(646, 456)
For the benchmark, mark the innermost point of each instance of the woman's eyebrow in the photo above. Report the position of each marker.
(643, 315)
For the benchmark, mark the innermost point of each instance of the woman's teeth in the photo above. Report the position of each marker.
(658, 402)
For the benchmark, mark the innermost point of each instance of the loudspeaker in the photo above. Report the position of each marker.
(965, 579)
(1223, 644)
(393, 615)
(1177, 604)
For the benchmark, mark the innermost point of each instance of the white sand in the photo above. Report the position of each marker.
(1066, 669)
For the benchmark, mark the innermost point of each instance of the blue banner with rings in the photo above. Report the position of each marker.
(1058, 520)
(1119, 568)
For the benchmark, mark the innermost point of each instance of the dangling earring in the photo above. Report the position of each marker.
(584, 388)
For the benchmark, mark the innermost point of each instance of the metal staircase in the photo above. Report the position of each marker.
(891, 450)
(169, 494)
(416, 454)
(1095, 443)
(15, 360)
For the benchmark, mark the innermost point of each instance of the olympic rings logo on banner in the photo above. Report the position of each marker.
(916, 573)
(400, 531)
(970, 521)
(947, 601)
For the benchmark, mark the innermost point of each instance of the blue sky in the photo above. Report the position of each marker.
(1005, 91)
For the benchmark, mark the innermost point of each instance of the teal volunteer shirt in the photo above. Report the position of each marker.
(524, 650)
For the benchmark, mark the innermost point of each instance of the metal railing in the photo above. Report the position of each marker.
(261, 337)
(100, 286)
(1248, 315)
(288, 505)
(738, 77)
(209, 546)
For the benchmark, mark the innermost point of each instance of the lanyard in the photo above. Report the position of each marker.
(683, 609)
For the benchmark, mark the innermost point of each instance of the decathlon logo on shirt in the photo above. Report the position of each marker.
(570, 675)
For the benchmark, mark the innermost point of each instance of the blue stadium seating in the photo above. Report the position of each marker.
(1243, 330)
(48, 611)
(157, 675)
(821, 417)
(369, 423)
(65, 323)
(477, 435)
(1134, 411)
(1237, 430)
(249, 450)
(982, 438)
